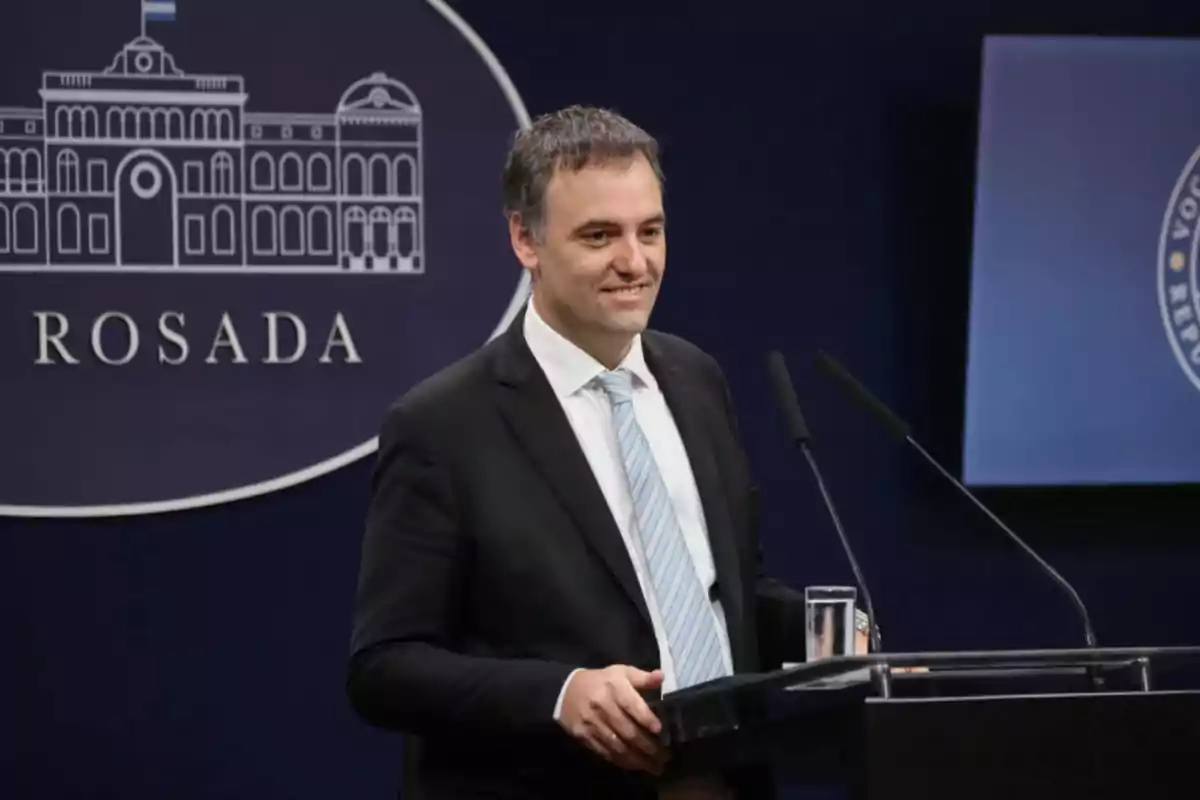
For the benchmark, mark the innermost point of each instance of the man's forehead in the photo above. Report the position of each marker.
(622, 189)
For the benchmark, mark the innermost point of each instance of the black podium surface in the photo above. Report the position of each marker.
(1115, 722)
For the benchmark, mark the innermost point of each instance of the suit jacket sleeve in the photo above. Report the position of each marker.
(779, 608)
(404, 672)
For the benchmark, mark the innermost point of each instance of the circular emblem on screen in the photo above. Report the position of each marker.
(1178, 289)
(220, 261)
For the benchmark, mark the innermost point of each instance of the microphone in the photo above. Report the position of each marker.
(793, 417)
(900, 431)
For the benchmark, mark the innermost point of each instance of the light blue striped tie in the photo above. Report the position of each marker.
(687, 614)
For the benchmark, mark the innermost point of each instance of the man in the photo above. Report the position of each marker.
(562, 524)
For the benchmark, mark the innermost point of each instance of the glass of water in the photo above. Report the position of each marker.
(829, 617)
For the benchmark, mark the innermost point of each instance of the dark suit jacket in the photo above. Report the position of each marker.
(492, 567)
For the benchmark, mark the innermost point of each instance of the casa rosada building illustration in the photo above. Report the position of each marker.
(142, 167)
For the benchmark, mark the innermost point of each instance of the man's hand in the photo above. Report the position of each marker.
(602, 709)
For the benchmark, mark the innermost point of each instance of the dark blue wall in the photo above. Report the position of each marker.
(820, 183)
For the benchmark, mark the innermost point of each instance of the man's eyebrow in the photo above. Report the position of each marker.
(599, 222)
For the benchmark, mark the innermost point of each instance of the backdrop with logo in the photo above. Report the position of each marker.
(1084, 362)
(228, 238)
(821, 173)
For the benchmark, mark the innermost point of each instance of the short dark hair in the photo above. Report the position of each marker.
(570, 138)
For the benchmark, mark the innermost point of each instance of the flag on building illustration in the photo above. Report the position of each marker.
(158, 10)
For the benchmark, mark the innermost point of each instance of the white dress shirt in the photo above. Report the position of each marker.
(569, 371)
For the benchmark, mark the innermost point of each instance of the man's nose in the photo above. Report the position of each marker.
(630, 258)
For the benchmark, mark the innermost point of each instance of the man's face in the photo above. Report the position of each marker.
(598, 264)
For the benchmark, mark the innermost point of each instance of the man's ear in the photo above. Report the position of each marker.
(522, 242)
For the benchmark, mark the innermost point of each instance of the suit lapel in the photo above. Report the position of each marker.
(541, 426)
(689, 402)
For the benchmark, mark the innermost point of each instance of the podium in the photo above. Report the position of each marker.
(1029, 724)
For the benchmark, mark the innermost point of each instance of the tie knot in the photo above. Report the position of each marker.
(617, 384)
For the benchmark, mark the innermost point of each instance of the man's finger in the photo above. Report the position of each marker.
(594, 744)
(635, 706)
(634, 760)
(613, 748)
(637, 739)
(600, 738)
(631, 758)
(643, 680)
(620, 720)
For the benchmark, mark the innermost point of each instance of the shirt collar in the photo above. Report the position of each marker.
(567, 367)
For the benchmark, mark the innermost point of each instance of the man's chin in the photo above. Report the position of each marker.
(629, 324)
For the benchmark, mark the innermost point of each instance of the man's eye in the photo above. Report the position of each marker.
(595, 237)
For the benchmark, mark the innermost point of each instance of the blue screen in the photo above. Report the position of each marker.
(1084, 351)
